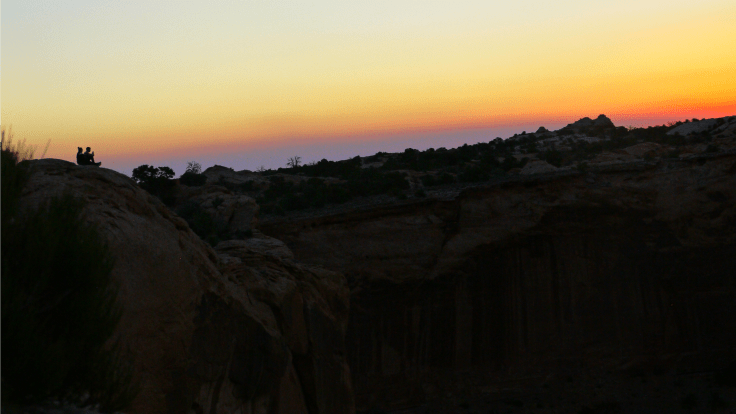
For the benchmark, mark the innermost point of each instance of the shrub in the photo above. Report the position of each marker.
(147, 174)
(294, 162)
(58, 307)
(157, 181)
(194, 168)
(193, 179)
(13, 178)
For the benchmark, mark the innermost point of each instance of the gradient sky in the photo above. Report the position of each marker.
(250, 83)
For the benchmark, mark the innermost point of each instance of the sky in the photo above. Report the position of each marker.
(246, 84)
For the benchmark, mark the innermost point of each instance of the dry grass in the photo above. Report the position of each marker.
(22, 150)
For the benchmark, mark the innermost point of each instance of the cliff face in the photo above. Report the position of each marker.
(629, 265)
(243, 328)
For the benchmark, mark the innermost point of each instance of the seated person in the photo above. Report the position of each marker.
(81, 158)
(90, 158)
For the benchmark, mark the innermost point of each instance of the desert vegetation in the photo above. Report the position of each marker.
(193, 176)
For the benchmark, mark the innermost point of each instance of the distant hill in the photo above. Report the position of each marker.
(415, 174)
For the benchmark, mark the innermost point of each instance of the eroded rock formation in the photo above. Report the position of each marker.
(240, 329)
(629, 264)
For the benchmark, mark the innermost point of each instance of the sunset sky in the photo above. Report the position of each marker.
(251, 83)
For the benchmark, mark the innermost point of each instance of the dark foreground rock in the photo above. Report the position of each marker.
(242, 329)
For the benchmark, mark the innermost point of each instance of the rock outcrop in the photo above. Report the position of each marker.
(714, 125)
(237, 213)
(228, 177)
(537, 167)
(535, 277)
(583, 124)
(244, 329)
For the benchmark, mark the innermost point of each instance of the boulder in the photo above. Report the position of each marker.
(238, 213)
(244, 329)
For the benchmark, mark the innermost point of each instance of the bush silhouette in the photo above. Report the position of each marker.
(58, 306)
(193, 179)
(194, 167)
(157, 181)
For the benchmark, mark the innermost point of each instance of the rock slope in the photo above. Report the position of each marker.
(240, 329)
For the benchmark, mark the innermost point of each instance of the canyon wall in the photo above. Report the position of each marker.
(625, 267)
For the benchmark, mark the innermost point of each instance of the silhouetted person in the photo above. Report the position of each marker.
(81, 158)
(90, 157)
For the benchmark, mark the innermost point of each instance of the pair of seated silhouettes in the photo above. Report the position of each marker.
(88, 158)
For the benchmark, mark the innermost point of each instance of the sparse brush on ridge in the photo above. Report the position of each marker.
(193, 176)
(58, 302)
(21, 150)
(294, 162)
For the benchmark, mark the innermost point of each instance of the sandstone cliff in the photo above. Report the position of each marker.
(240, 329)
(630, 262)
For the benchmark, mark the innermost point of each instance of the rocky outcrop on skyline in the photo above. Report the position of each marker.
(586, 123)
(224, 175)
(240, 329)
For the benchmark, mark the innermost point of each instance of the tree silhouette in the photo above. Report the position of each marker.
(294, 161)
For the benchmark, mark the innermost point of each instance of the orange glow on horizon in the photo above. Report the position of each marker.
(351, 73)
